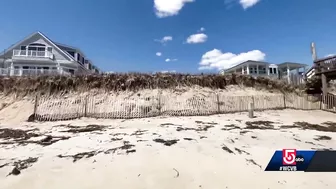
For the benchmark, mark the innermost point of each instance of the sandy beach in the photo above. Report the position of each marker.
(219, 151)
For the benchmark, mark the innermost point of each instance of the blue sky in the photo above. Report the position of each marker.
(126, 35)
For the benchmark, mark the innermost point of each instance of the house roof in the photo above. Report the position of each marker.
(70, 47)
(44, 37)
(292, 64)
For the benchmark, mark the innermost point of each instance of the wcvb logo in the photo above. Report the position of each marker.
(289, 156)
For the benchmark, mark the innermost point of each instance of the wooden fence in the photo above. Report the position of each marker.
(121, 107)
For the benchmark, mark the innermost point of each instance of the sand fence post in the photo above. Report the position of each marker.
(251, 108)
(86, 105)
(159, 101)
(218, 104)
(36, 105)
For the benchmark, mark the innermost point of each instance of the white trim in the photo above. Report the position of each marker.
(55, 45)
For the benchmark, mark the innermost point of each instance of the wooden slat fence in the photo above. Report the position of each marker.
(121, 107)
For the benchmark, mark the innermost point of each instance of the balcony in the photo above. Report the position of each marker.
(32, 54)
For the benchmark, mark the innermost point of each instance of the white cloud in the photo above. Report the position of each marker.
(197, 38)
(215, 59)
(330, 55)
(244, 3)
(167, 38)
(171, 71)
(158, 54)
(165, 8)
(164, 40)
(248, 3)
(170, 60)
(201, 29)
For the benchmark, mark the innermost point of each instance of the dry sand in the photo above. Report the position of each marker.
(196, 160)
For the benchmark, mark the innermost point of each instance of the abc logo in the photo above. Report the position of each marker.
(299, 159)
(289, 157)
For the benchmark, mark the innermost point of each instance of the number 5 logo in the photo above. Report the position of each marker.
(288, 156)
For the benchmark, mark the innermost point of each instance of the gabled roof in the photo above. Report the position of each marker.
(45, 38)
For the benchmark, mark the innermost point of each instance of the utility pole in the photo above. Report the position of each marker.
(313, 51)
(3, 59)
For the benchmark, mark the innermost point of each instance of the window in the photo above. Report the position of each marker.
(253, 70)
(25, 67)
(46, 68)
(270, 70)
(37, 44)
(40, 48)
(23, 48)
(71, 53)
(274, 70)
(262, 71)
(78, 57)
(49, 49)
(36, 47)
(54, 68)
(16, 67)
(71, 71)
(30, 48)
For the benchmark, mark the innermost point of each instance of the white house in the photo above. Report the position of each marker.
(265, 69)
(39, 55)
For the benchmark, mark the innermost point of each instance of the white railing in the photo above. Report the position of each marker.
(310, 74)
(33, 72)
(33, 54)
(4, 71)
(30, 72)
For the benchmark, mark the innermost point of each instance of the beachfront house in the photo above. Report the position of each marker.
(289, 71)
(38, 55)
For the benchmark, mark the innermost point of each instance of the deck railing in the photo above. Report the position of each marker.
(33, 54)
(30, 72)
(328, 64)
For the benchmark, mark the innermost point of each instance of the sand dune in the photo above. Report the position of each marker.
(163, 152)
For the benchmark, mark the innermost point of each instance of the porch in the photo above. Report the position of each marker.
(292, 73)
(257, 70)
